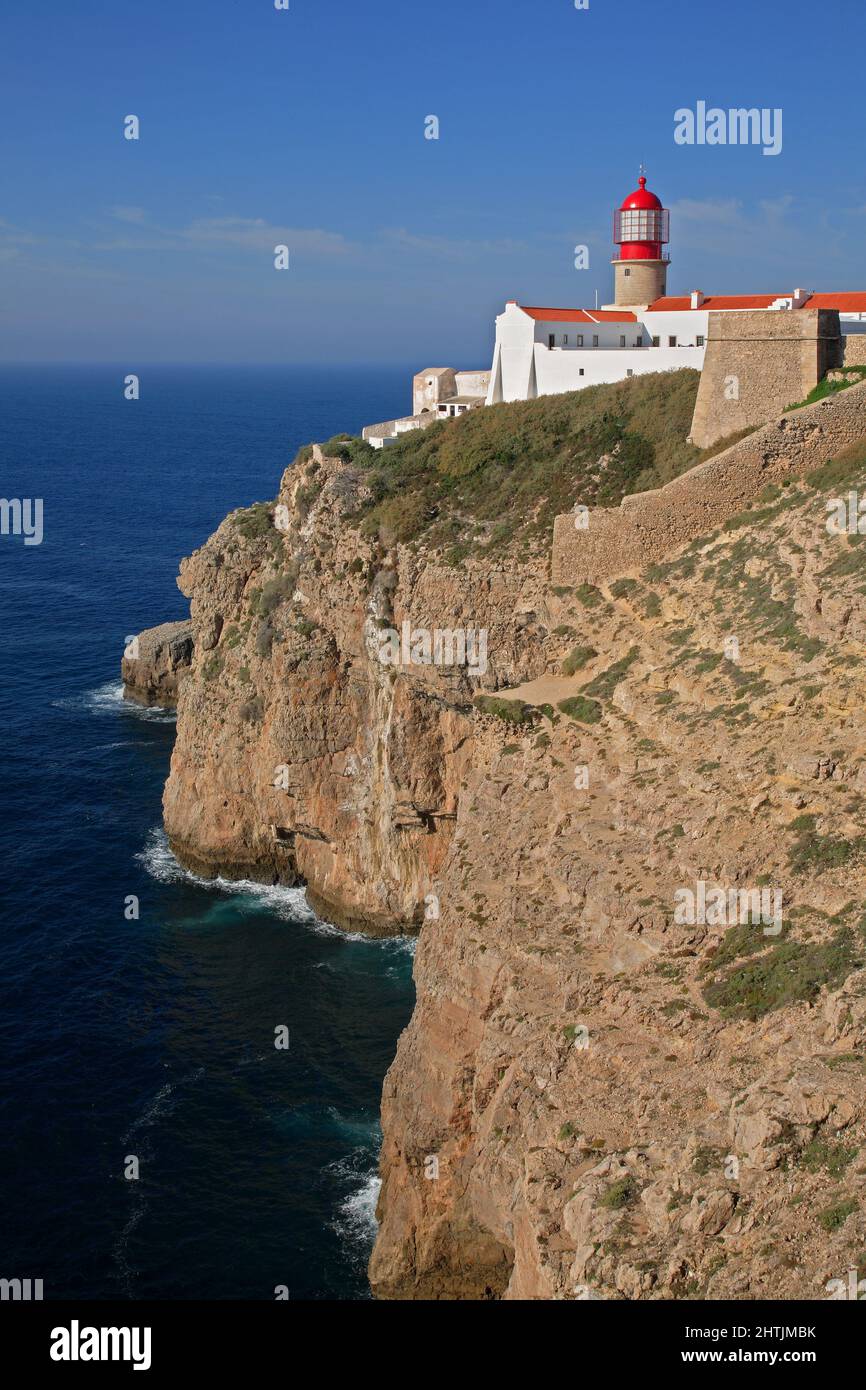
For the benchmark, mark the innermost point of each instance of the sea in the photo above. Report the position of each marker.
(154, 1142)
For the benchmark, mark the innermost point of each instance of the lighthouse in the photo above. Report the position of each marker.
(641, 230)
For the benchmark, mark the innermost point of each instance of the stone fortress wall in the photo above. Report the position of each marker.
(758, 363)
(649, 526)
(855, 350)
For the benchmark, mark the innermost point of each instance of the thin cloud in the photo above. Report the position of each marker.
(723, 226)
(256, 234)
(124, 213)
(726, 212)
(447, 248)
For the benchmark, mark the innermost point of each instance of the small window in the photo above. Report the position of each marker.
(638, 342)
(580, 371)
(626, 271)
(622, 340)
(565, 340)
(699, 340)
(551, 340)
(580, 340)
(656, 341)
(672, 340)
(595, 340)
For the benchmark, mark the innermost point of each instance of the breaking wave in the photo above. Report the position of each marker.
(290, 904)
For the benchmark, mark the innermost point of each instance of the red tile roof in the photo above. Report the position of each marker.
(579, 315)
(677, 303)
(848, 301)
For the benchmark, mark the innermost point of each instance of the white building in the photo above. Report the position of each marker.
(544, 351)
(438, 393)
(541, 352)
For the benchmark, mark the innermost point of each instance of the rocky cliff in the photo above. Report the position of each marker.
(155, 662)
(603, 1092)
(599, 1093)
(301, 756)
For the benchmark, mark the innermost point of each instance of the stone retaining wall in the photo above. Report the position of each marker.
(649, 526)
(855, 350)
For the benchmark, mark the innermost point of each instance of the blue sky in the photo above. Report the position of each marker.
(306, 127)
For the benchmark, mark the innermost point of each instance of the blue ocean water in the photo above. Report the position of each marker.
(155, 1038)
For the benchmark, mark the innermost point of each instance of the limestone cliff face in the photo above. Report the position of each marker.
(598, 1095)
(300, 756)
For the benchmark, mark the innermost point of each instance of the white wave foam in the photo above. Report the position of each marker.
(108, 699)
(356, 1214)
(290, 904)
(161, 1104)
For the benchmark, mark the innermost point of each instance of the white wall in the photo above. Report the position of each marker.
(687, 325)
(525, 367)
(512, 357)
(472, 383)
(557, 371)
(608, 334)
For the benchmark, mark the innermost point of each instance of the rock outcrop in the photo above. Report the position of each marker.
(155, 662)
(602, 1093)
(301, 757)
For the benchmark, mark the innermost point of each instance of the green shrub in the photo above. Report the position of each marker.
(349, 448)
(256, 521)
(582, 710)
(787, 973)
(275, 592)
(576, 659)
(510, 469)
(605, 683)
(266, 635)
(620, 1193)
(824, 1153)
(814, 853)
(825, 387)
(511, 711)
(834, 1216)
(588, 595)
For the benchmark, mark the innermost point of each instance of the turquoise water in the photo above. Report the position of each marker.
(155, 1038)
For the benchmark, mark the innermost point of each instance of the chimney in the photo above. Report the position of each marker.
(800, 297)
(697, 298)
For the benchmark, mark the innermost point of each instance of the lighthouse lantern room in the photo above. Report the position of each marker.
(641, 230)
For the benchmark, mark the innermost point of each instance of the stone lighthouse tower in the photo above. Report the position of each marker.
(641, 229)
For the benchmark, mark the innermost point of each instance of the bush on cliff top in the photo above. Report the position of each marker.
(508, 470)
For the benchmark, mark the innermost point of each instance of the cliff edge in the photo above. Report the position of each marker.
(617, 1082)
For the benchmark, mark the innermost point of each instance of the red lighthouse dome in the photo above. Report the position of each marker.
(641, 226)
